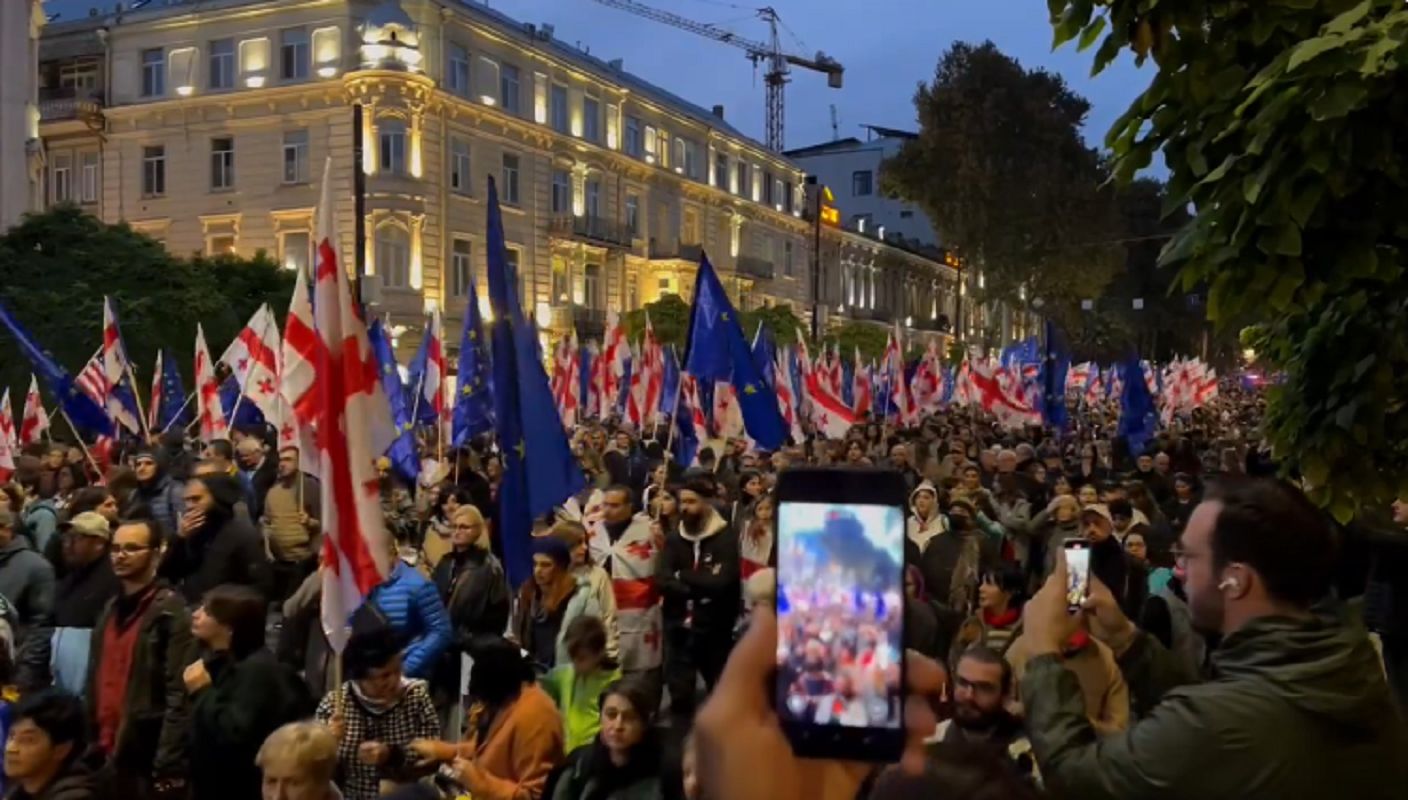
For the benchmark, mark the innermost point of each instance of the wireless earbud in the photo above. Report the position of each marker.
(1232, 582)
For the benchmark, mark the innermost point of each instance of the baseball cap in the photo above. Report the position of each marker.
(89, 523)
(1100, 510)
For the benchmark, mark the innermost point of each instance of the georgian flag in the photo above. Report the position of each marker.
(253, 359)
(35, 421)
(7, 438)
(614, 355)
(210, 411)
(996, 400)
(647, 380)
(831, 417)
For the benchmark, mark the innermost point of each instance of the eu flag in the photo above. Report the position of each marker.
(539, 468)
(1058, 363)
(174, 409)
(474, 403)
(79, 408)
(240, 412)
(402, 452)
(717, 351)
(763, 354)
(670, 384)
(1138, 419)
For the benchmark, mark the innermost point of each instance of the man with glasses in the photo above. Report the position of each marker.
(136, 699)
(1296, 705)
(982, 688)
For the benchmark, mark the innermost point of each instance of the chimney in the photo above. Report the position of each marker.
(617, 64)
(546, 31)
(719, 112)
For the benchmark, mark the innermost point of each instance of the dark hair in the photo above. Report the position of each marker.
(156, 535)
(122, 482)
(87, 499)
(1120, 507)
(1010, 579)
(970, 467)
(222, 448)
(15, 495)
(636, 693)
(59, 714)
(586, 635)
(242, 610)
(76, 474)
(499, 672)
(986, 655)
(1272, 527)
(461, 495)
(1185, 479)
(370, 650)
(621, 487)
(959, 771)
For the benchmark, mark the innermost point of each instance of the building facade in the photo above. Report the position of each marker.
(209, 125)
(851, 168)
(21, 156)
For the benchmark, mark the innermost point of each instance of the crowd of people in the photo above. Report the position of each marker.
(162, 637)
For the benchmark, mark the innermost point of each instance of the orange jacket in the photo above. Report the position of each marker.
(521, 747)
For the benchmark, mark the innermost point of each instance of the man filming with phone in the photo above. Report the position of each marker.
(1296, 705)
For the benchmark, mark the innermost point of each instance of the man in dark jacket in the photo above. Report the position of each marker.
(26, 579)
(213, 545)
(163, 496)
(1296, 705)
(257, 472)
(136, 699)
(46, 756)
(626, 463)
(699, 579)
(475, 592)
(86, 587)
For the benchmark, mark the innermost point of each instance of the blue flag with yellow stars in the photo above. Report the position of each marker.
(402, 452)
(717, 351)
(474, 402)
(82, 411)
(540, 470)
(173, 409)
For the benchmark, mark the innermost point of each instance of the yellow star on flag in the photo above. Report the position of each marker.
(749, 388)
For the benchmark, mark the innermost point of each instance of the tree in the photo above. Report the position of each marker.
(870, 339)
(1279, 121)
(1000, 167)
(781, 321)
(669, 317)
(59, 265)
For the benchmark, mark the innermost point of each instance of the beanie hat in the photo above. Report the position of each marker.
(553, 548)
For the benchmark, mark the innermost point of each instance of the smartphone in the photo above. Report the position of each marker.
(1077, 573)
(840, 612)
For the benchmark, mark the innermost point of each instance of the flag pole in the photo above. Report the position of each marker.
(136, 395)
(97, 470)
(179, 412)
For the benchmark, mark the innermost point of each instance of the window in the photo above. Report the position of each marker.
(650, 142)
(296, 248)
(558, 108)
(862, 222)
(561, 192)
(460, 255)
(509, 190)
(593, 198)
(745, 177)
(296, 157)
(222, 163)
(220, 244)
(767, 188)
(788, 196)
(633, 136)
(633, 214)
(222, 64)
(787, 266)
(662, 147)
(525, 291)
(457, 70)
(632, 293)
(153, 72)
(777, 194)
(392, 146)
(154, 171)
(62, 176)
(591, 119)
(591, 286)
(393, 257)
(459, 165)
(509, 90)
(80, 76)
(721, 170)
(861, 181)
(294, 54)
(559, 280)
(91, 176)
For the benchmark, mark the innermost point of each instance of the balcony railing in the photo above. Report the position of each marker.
(597, 230)
(588, 322)
(675, 250)
(69, 103)
(756, 267)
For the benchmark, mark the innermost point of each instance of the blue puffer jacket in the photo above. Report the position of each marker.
(412, 606)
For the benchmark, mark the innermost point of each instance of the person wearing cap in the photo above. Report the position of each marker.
(549, 603)
(26, 579)
(163, 496)
(1127, 580)
(82, 593)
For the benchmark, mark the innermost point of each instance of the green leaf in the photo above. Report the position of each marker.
(1091, 33)
(1285, 291)
(1283, 240)
(1305, 200)
(1311, 48)
(1219, 173)
(1357, 262)
(1337, 101)
(1349, 19)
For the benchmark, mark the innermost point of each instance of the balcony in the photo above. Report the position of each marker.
(593, 230)
(675, 251)
(589, 322)
(755, 267)
(68, 103)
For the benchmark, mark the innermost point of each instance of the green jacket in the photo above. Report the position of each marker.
(156, 712)
(1296, 708)
(579, 700)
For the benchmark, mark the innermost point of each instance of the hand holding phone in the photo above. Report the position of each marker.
(1077, 554)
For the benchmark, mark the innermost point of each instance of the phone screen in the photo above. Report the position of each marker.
(1077, 573)
(840, 611)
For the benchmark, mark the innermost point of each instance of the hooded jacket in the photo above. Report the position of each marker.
(76, 781)
(922, 531)
(163, 496)
(1296, 708)
(699, 577)
(27, 581)
(227, 549)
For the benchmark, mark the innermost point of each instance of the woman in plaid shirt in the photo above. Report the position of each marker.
(375, 715)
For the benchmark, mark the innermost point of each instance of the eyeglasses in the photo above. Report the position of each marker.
(129, 549)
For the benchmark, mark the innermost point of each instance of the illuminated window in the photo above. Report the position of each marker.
(393, 257)
(391, 137)
(295, 250)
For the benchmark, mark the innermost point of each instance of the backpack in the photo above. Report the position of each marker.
(29, 530)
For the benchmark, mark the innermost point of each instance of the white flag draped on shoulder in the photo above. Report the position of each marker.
(351, 412)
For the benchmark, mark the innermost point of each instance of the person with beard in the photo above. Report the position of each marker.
(625, 545)
(213, 546)
(982, 688)
(623, 762)
(699, 579)
(80, 596)
(1298, 707)
(291, 524)
(163, 496)
(141, 645)
(1127, 579)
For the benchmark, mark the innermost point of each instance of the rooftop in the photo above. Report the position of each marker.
(107, 12)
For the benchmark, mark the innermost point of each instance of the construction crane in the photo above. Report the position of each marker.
(770, 53)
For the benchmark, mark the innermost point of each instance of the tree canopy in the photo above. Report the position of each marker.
(1000, 167)
(59, 265)
(1280, 124)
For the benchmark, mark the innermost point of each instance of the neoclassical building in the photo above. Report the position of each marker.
(209, 126)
